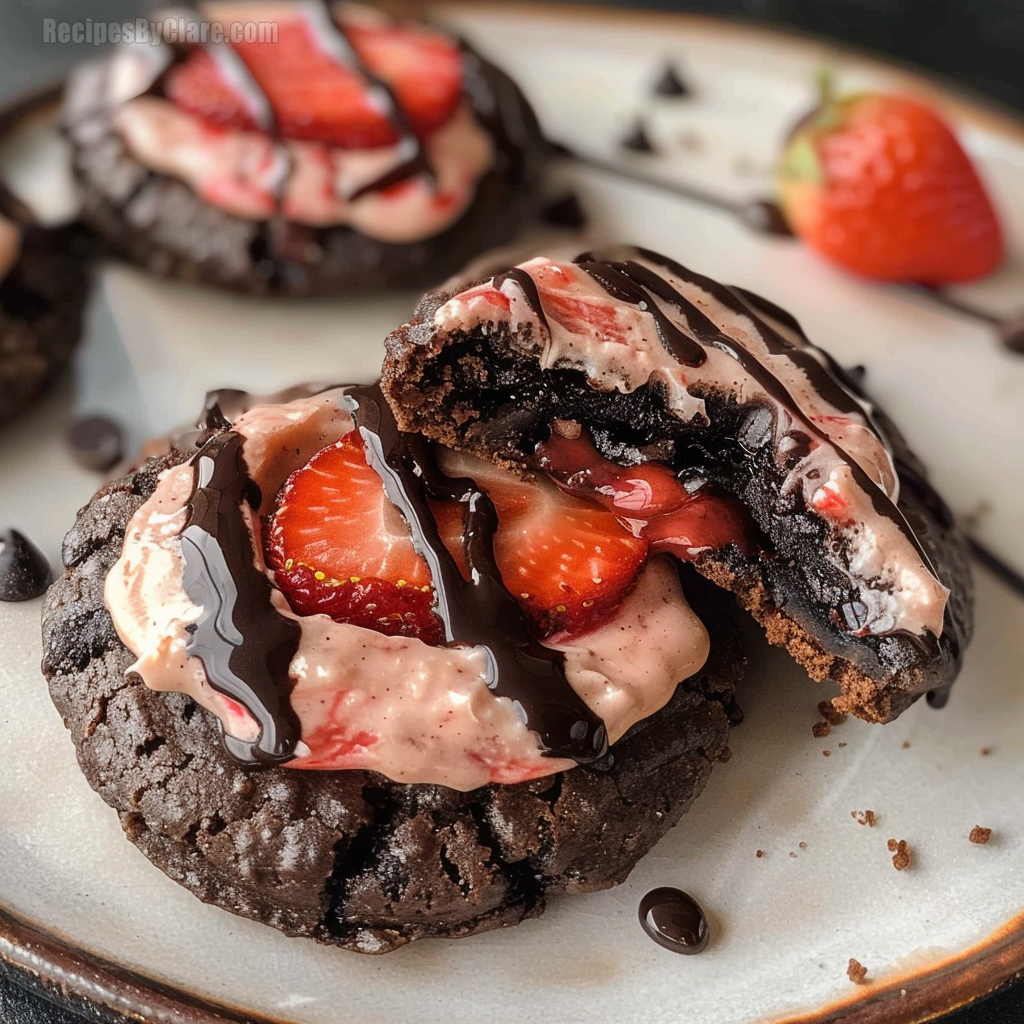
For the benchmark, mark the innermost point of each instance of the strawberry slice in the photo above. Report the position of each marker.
(568, 561)
(317, 99)
(339, 547)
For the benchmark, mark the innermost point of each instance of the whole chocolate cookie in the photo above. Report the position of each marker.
(425, 156)
(350, 858)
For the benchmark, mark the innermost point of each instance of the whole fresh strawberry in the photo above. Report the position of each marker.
(880, 185)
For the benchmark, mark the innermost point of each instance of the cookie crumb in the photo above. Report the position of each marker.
(821, 728)
(826, 753)
(792, 854)
(803, 846)
(725, 755)
(829, 713)
(569, 429)
(759, 854)
(857, 972)
(841, 743)
(980, 835)
(900, 853)
(985, 751)
(864, 818)
(906, 744)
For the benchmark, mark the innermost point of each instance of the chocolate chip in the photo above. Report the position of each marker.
(95, 442)
(566, 212)
(24, 570)
(637, 138)
(670, 83)
(675, 920)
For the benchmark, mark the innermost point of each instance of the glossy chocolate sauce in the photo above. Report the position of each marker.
(245, 646)
(479, 612)
(674, 920)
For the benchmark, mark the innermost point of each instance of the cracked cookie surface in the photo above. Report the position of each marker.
(350, 858)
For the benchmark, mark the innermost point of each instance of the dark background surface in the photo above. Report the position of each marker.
(977, 43)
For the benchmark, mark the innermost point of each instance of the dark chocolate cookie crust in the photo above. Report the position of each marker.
(350, 858)
(42, 300)
(487, 393)
(159, 223)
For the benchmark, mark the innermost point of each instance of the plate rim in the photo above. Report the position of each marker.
(42, 962)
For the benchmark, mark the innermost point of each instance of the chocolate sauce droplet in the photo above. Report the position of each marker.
(24, 570)
(1011, 334)
(766, 217)
(671, 83)
(857, 373)
(566, 212)
(939, 697)
(637, 139)
(674, 920)
(95, 442)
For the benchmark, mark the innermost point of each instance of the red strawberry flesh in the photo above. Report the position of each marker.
(315, 98)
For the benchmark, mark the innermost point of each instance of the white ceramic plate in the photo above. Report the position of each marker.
(114, 930)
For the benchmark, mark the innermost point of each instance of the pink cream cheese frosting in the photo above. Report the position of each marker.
(393, 705)
(618, 345)
(254, 175)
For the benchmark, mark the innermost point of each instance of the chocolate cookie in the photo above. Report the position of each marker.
(419, 162)
(42, 299)
(44, 277)
(350, 858)
(804, 500)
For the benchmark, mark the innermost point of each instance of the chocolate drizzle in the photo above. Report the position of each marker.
(528, 287)
(674, 919)
(479, 612)
(245, 646)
